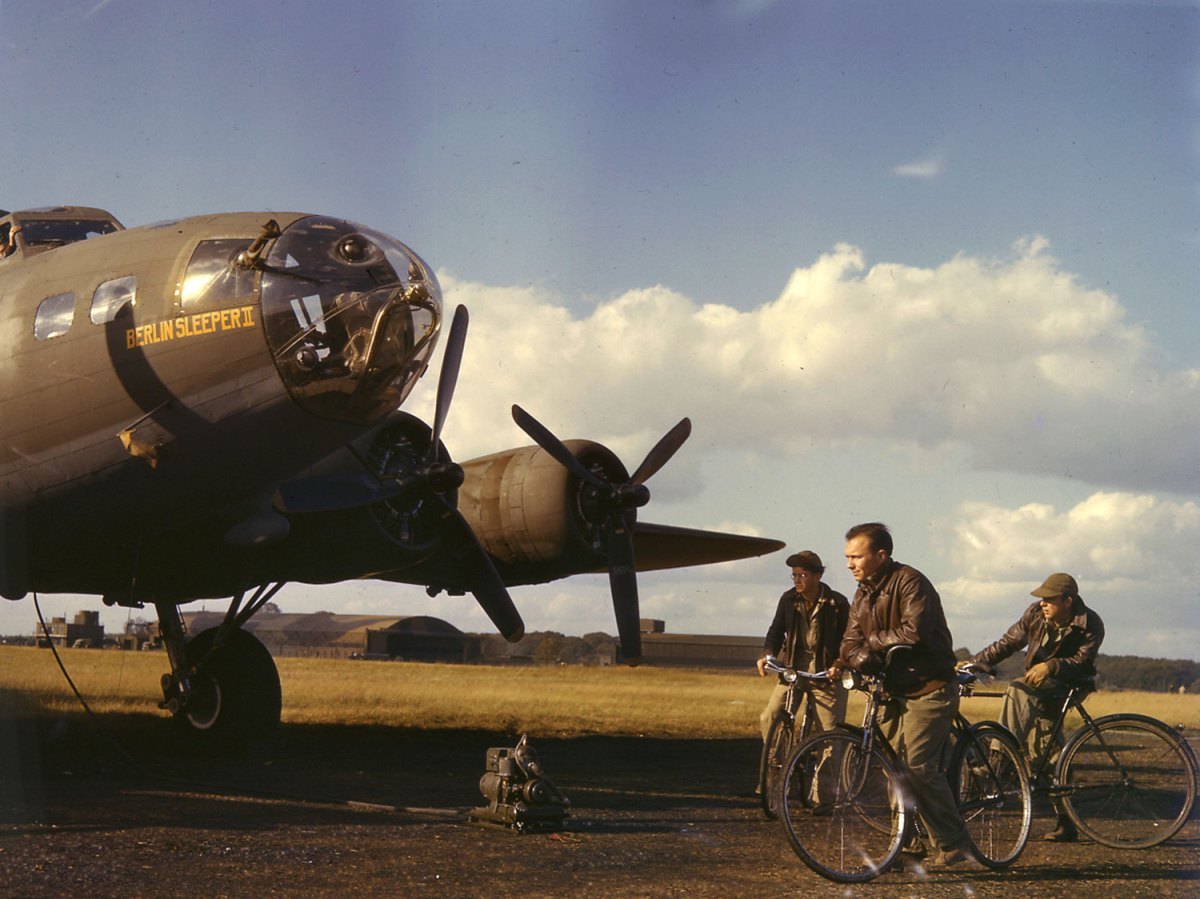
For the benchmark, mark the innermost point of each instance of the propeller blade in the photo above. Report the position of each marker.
(487, 586)
(618, 503)
(451, 362)
(662, 452)
(556, 448)
(622, 581)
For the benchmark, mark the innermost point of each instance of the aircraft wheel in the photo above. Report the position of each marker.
(235, 690)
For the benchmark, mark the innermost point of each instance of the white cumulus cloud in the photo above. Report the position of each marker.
(926, 168)
(1133, 556)
(1013, 361)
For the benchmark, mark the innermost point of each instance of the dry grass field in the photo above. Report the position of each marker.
(368, 786)
(563, 701)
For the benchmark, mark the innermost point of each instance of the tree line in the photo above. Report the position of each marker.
(1121, 672)
(1114, 672)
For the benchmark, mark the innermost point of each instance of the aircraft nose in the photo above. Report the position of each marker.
(351, 315)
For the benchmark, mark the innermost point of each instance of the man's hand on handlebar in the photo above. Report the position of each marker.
(1037, 674)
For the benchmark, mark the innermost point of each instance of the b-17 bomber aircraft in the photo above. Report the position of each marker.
(211, 407)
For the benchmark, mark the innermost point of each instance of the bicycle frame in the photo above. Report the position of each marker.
(1074, 700)
(1042, 765)
(871, 735)
(852, 827)
(799, 692)
(1125, 780)
(782, 734)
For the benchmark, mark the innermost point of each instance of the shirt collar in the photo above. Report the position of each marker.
(881, 573)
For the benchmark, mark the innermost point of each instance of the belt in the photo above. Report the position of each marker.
(931, 687)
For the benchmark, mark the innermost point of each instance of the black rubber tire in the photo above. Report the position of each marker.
(854, 830)
(775, 754)
(1143, 802)
(990, 779)
(236, 697)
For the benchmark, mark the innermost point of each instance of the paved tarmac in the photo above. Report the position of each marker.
(133, 810)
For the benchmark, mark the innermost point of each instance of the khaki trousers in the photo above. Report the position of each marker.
(1031, 711)
(830, 703)
(918, 728)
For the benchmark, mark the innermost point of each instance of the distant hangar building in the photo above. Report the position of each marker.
(422, 638)
(84, 631)
(419, 638)
(696, 650)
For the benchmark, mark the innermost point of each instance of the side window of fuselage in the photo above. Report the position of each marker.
(111, 296)
(54, 316)
(214, 278)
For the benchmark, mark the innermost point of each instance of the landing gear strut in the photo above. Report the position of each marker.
(223, 685)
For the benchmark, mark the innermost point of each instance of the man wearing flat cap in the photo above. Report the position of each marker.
(805, 634)
(1060, 636)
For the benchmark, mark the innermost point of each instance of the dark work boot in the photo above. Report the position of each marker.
(1064, 831)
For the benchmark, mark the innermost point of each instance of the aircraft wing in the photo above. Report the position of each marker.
(661, 546)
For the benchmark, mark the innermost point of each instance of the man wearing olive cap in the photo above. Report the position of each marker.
(1060, 636)
(805, 634)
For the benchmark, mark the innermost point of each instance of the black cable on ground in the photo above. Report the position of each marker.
(218, 792)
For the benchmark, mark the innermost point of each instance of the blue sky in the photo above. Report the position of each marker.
(930, 263)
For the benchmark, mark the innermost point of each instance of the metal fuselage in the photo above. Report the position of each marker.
(198, 408)
(154, 390)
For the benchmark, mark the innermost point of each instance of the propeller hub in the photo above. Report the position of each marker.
(444, 477)
(632, 496)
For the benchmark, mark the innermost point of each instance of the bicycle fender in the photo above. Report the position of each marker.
(979, 725)
(1178, 738)
(1082, 732)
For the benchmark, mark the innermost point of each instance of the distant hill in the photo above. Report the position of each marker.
(1120, 672)
(1137, 673)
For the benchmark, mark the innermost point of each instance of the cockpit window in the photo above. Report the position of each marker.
(56, 232)
(7, 244)
(54, 315)
(213, 276)
(111, 296)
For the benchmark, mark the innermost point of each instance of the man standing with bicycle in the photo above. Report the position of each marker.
(806, 634)
(1060, 636)
(896, 605)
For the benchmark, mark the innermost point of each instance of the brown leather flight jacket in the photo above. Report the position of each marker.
(1073, 660)
(899, 606)
(832, 610)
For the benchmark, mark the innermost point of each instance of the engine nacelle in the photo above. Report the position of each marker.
(535, 518)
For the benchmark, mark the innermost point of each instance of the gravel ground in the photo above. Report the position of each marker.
(131, 810)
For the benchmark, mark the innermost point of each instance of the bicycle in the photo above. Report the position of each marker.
(782, 734)
(864, 813)
(994, 793)
(1127, 781)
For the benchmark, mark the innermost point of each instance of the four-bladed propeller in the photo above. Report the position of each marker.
(610, 505)
(434, 478)
(614, 507)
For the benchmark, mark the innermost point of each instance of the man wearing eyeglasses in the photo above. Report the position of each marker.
(1060, 636)
(805, 634)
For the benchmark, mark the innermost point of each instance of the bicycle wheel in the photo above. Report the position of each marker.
(991, 781)
(770, 770)
(843, 810)
(1127, 781)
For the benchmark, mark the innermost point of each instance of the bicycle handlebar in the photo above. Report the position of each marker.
(791, 675)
